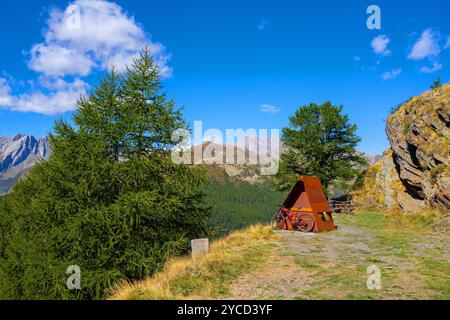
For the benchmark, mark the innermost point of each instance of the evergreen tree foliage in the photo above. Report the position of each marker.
(397, 107)
(109, 200)
(436, 84)
(5, 224)
(320, 142)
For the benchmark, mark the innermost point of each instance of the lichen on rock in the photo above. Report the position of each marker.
(419, 136)
(382, 189)
(415, 172)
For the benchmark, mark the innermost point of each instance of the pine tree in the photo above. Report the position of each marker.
(109, 200)
(436, 84)
(320, 142)
(102, 113)
(141, 91)
(5, 225)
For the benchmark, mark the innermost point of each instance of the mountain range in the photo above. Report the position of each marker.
(18, 154)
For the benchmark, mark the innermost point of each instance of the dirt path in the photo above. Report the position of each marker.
(413, 264)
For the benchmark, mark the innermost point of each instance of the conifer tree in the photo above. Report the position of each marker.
(320, 142)
(436, 84)
(109, 200)
(141, 91)
(102, 113)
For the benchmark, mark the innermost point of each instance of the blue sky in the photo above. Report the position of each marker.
(226, 61)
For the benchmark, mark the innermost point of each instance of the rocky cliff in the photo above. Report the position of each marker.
(382, 188)
(415, 172)
(18, 154)
(419, 136)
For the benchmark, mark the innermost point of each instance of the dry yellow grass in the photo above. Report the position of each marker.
(368, 187)
(257, 263)
(209, 275)
(421, 221)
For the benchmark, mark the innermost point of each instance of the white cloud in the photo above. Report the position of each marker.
(391, 74)
(426, 46)
(55, 60)
(103, 35)
(435, 67)
(268, 108)
(60, 97)
(380, 45)
(5, 93)
(357, 58)
(88, 36)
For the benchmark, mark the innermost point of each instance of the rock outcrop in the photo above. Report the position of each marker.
(419, 136)
(414, 173)
(382, 188)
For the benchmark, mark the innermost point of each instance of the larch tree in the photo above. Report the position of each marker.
(109, 201)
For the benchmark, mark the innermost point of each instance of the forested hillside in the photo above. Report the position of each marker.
(236, 205)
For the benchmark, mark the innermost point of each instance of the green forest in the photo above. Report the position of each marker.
(236, 205)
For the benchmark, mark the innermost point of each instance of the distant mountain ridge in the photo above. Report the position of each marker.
(251, 173)
(18, 154)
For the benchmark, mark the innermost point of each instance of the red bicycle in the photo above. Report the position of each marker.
(288, 220)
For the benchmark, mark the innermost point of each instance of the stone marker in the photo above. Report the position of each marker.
(199, 246)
